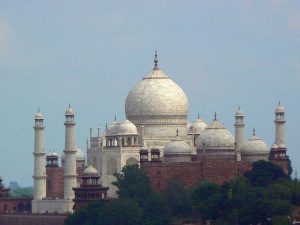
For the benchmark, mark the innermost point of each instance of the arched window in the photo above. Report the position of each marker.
(20, 207)
(28, 207)
(129, 141)
(132, 161)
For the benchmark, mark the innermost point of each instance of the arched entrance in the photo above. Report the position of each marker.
(20, 207)
(132, 161)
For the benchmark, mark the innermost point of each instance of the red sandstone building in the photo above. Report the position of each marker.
(217, 156)
(55, 178)
(90, 189)
(13, 205)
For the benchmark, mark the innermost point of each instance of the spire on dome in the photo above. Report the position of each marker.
(198, 116)
(215, 116)
(155, 61)
(253, 132)
(115, 117)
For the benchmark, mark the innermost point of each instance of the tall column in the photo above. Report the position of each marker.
(239, 132)
(39, 173)
(70, 176)
(278, 151)
(279, 124)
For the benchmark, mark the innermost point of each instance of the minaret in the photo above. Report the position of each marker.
(279, 123)
(39, 173)
(70, 176)
(278, 150)
(239, 132)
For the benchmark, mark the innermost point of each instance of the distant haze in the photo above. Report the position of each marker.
(91, 53)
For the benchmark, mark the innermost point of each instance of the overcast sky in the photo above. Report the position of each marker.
(91, 53)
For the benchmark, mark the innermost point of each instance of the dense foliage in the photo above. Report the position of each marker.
(25, 192)
(136, 204)
(264, 196)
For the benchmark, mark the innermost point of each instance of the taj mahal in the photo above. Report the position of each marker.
(156, 135)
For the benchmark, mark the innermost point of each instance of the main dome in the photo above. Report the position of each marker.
(156, 97)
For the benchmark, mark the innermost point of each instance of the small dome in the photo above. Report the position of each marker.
(90, 170)
(113, 128)
(274, 146)
(254, 145)
(177, 147)
(79, 155)
(215, 136)
(127, 127)
(281, 145)
(279, 109)
(70, 112)
(239, 113)
(38, 116)
(144, 148)
(154, 147)
(198, 126)
(52, 154)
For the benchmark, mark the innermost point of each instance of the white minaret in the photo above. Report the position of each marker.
(70, 175)
(239, 132)
(279, 123)
(39, 173)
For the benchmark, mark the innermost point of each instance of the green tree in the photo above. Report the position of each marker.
(264, 173)
(86, 216)
(133, 183)
(121, 211)
(290, 168)
(25, 192)
(281, 220)
(178, 198)
(156, 211)
(206, 197)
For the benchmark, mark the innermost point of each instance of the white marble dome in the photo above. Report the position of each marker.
(70, 112)
(90, 170)
(279, 109)
(239, 113)
(156, 96)
(197, 127)
(215, 136)
(127, 127)
(113, 128)
(176, 147)
(254, 145)
(80, 154)
(52, 154)
(38, 116)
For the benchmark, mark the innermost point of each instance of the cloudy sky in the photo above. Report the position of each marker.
(223, 54)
